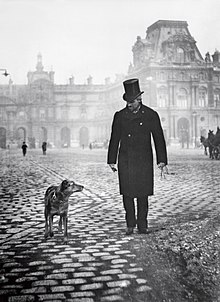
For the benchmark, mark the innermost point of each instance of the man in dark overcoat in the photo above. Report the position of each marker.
(130, 147)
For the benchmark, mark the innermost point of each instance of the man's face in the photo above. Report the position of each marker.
(133, 106)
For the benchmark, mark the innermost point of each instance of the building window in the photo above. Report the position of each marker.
(162, 76)
(50, 112)
(162, 97)
(202, 97)
(216, 79)
(201, 76)
(182, 76)
(2, 114)
(42, 114)
(217, 97)
(182, 97)
(21, 115)
(179, 55)
(83, 111)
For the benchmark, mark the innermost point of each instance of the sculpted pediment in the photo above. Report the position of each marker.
(180, 48)
(180, 37)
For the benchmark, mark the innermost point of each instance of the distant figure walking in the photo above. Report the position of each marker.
(24, 148)
(44, 148)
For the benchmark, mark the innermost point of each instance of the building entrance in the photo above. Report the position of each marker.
(21, 135)
(65, 137)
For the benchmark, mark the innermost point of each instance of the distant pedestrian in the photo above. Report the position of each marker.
(90, 146)
(24, 148)
(44, 148)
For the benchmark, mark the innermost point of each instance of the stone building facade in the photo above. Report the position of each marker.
(182, 86)
(178, 82)
(62, 115)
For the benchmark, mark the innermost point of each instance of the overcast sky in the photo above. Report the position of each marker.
(92, 37)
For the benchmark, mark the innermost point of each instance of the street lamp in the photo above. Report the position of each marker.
(5, 73)
(195, 132)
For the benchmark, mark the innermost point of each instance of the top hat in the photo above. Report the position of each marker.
(132, 90)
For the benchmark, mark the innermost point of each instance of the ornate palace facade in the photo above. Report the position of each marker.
(178, 82)
(182, 86)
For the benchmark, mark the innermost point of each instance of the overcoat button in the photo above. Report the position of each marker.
(141, 124)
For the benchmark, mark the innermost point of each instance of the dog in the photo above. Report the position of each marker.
(56, 203)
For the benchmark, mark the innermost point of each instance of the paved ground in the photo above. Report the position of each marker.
(94, 265)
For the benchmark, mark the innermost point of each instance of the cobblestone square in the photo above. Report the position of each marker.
(95, 264)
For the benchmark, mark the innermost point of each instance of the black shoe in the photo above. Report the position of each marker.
(142, 231)
(129, 231)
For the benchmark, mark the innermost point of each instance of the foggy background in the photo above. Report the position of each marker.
(92, 37)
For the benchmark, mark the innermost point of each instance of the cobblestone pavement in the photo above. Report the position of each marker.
(94, 265)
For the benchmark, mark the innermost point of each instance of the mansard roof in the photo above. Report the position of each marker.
(167, 23)
(163, 42)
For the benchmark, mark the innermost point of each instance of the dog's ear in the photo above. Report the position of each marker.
(64, 185)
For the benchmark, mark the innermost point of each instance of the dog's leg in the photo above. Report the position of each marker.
(65, 227)
(60, 224)
(46, 223)
(51, 225)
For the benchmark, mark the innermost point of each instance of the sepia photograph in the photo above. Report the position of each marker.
(109, 150)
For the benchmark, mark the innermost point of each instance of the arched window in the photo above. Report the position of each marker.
(182, 97)
(202, 97)
(180, 55)
(217, 97)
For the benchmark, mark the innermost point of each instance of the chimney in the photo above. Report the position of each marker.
(51, 75)
(71, 80)
(89, 80)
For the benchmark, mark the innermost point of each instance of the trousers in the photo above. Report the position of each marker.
(142, 212)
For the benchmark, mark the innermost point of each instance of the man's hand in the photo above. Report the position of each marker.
(161, 166)
(112, 166)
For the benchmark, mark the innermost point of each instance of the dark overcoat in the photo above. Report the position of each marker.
(130, 144)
